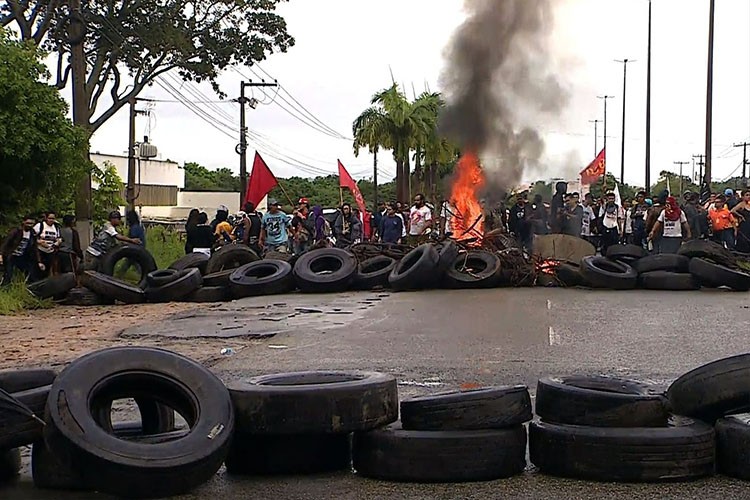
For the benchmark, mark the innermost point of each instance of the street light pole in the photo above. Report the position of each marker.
(706, 181)
(596, 136)
(624, 96)
(648, 107)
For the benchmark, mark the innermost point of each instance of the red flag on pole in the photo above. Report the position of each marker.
(261, 182)
(595, 170)
(346, 181)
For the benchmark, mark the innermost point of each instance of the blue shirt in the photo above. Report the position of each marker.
(391, 229)
(275, 226)
(137, 231)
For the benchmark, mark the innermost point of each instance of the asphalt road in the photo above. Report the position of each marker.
(433, 341)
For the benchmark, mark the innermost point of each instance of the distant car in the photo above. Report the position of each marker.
(331, 214)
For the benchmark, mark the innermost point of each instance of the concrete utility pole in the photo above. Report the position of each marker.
(709, 95)
(745, 162)
(76, 35)
(681, 163)
(130, 189)
(624, 97)
(242, 146)
(605, 98)
(648, 107)
(596, 136)
(701, 163)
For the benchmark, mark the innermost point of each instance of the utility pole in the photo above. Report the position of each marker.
(130, 189)
(624, 96)
(745, 162)
(596, 136)
(605, 98)
(648, 107)
(701, 163)
(681, 163)
(242, 147)
(709, 95)
(76, 35)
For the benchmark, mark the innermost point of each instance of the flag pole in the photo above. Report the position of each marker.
(341, 196)
(285, 194)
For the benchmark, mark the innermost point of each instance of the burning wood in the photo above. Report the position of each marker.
(465, 197)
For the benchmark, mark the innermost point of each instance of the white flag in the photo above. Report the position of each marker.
(618, 199)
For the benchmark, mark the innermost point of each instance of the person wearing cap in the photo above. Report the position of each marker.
(732, 200)
(301, 233)
(723, 223)
(612, 217)
(107, 239)
(273, 235)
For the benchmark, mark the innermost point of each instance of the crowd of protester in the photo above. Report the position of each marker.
(40, 247)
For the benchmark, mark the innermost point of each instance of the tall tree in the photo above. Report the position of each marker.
(40, 150)
(129, 43)
(370, 131)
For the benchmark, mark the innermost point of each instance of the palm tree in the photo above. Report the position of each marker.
(370, 131)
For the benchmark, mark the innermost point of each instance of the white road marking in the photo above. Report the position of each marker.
(549, 305)
(554, 338)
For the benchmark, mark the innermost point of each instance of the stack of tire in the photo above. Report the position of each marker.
(479, 435)
(608, 429)
(718, 393)
(80, 449)
(302, 423)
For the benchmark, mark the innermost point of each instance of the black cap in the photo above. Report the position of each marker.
(115, 215)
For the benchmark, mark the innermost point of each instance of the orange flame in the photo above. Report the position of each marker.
(548, 266)
(464, 196)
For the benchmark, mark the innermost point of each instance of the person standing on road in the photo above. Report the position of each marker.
(70, 249)
(420, 220)
(274, 236)
(252, 223)
(192, 221)
(391, 226)
(107, 239)
(572, 216)
(589, 217)
(300, 230)
(518, 224)
(627, 232)
(672, 225)
(638, 217)
(201, 237)
(612, 217)
(557, 208)
(347, 227)
(723, 223)
(732, 199)
(18, 252)
(48, 243)
(742, 212)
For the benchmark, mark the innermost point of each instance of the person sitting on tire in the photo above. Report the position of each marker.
(274, 236)
(673, 225)
(105, 241)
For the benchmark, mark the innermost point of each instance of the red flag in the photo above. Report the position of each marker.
(595, 170)
(261, 182)
(345, 180)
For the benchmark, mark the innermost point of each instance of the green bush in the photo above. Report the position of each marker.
(165, 245)
(16, 298)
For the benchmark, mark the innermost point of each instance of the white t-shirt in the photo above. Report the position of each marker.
(104, 241)
(672, 228)
(588, 217)
(628, 221)
(446, 212)
(418, 219)
(50, 234)
(610, 220)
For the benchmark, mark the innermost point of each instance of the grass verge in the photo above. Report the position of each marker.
(16, 298)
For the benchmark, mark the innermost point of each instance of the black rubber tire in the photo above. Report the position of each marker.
(716, 275)
(615, 252)
(263, 277)
(569, 275)
(112, 288)
(490, 408)
(447, 255)
(600, 402)
(665, 280)
(733, 446)
(374, 272)
(255, 455)
(187, 282)
(195, 260)
(134, 253)
(394, 454)
(50, 473)
(82, 296)
(713, 390)
(632, 454)
(230, 257)
(209, 294)
(327, 270)
(475, 269)
(17, 429)
(10, 464)
(601, 272)
(114, 466)
(705, 249)
(662, 262)
(218, 279)
(26, 378)
(54, 286)
(416, 270)
(315, 402)
(161, 277)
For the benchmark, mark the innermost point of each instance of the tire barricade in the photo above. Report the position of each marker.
(589, 427)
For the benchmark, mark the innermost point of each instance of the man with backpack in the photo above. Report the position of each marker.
(48, 241)
(18, 252)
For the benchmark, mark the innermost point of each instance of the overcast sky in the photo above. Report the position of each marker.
(345, 51)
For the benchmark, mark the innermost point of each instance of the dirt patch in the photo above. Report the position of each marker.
(56, 336)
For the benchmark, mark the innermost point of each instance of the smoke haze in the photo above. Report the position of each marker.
(499, 82)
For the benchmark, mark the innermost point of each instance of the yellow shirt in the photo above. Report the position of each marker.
(223, 227)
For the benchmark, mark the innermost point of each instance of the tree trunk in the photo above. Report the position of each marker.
(375, 180)
(418, 172)
(400, 180)
(406, 175)
(432, 180)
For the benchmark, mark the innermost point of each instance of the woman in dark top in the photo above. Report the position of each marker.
(200, 236)
(742, 211)
(192, 221)
(135, 228)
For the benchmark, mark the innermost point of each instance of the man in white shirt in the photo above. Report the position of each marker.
(588, 217)
(446, 218)
(612, 218)
(106, 240)
(420, 220)
(48, 243)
